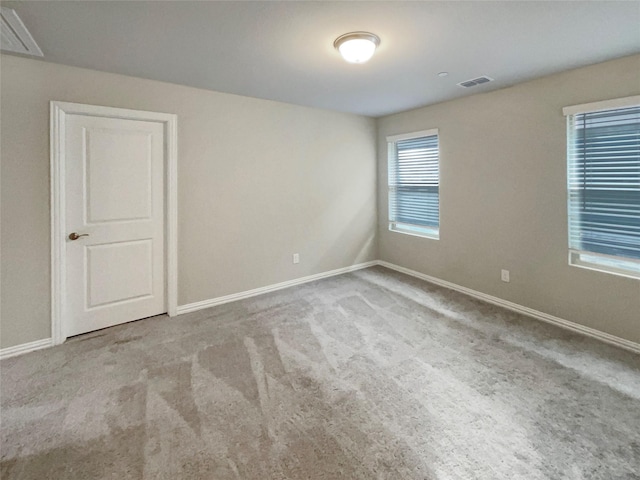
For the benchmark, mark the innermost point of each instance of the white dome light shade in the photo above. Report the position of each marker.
(357, 47)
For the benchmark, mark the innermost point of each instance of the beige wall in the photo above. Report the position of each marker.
(503, 196)
(258, 181)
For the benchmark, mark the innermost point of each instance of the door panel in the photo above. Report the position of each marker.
(109, 281)
(118, 166)
(115, 194)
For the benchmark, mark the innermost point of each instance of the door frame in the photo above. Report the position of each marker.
(58, 113)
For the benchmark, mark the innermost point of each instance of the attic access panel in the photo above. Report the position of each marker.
(14, 35)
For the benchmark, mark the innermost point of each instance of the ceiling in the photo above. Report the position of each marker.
(284, 50)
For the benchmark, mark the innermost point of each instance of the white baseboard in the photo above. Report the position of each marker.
(25, 348)
(545, 317)
(192, 307)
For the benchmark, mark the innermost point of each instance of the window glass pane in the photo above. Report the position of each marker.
(604, 183)
(414, 185)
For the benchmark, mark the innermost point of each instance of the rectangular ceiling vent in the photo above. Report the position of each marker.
(15, 36)
(475, 81)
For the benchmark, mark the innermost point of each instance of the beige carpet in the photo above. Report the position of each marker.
(370, 375)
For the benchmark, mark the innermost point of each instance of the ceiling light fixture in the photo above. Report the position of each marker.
(357, 47)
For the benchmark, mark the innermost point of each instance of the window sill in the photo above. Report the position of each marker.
(606, 264)
(423, 232)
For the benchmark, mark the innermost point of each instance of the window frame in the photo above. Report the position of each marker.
(403, 228)
(612, 264)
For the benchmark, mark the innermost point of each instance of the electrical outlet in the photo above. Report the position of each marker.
(505, 275)
(296, 258)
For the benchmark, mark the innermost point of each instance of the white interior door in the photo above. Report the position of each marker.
(114, 204)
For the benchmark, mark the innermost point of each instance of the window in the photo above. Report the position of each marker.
(414, 184)
(603, 177)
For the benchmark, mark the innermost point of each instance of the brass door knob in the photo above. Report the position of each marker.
(75, 236)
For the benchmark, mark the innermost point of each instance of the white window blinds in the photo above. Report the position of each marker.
(414, 183)
(604, 183)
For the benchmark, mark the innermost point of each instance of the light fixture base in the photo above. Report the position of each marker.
(357, 47)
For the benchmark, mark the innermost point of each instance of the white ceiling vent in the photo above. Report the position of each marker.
(475, 81)
(15, 36)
